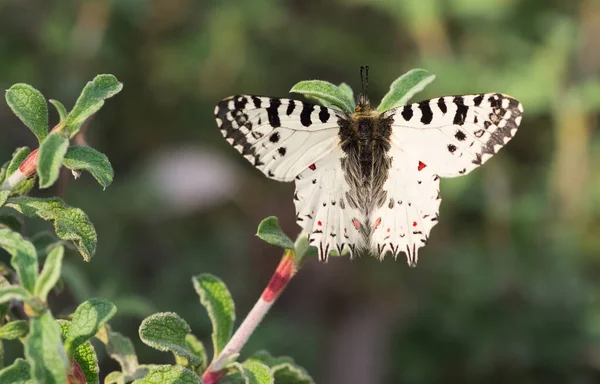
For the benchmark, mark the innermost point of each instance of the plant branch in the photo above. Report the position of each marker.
(283, 274)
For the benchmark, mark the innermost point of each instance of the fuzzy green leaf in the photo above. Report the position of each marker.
(16, 373)
(14, 329)
(13, 292)
(50, 158)
(88, 159)
(30, 106)
(23, 187)
(86, 321)
(85, 356)
(44, 350)
(91, 100)
(405, 87)
(284, 369)
(325, 93)
(69, 223)
(3, 197)
(303, 250)
(24, 258)
(270, 232)
(346, 90)
(60, 108)
(119, 348)
(167, 332)
(257, 373)
(18, 156)
(115, 378)
(169, 374)
(50, 273)
(215, 297)
(197, 347)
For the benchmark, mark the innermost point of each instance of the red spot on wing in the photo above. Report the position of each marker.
(421, 165)
(414, 223)
(319, 223)
(345, 230)
(388, 230)
(312, 166)
(377, 222)
(356, 223)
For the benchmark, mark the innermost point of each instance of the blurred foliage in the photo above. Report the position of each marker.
(506, 290)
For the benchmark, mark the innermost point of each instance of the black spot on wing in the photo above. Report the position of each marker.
(273, 113)
(290, 108)
(274, 137)
(257, 102)
(451, 148)
(282, 151)
(426, 112)
(240, 102)
(460, 135)
(442, 105)
(407, 112)
(477, 100)
(324, 115)
(307, 109)
(461, 111)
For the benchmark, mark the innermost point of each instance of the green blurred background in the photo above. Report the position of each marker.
(507, 289)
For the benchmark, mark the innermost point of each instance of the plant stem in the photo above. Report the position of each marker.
(280, 279)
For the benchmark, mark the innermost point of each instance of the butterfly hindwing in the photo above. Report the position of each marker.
(411, 209)
(281, 137)
(322, 207)
(455, 134)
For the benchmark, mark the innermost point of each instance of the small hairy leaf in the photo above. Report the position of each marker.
(234, 375)
(405, 87)
(257, 373)
(85, 356)
(346, 90)
(44, 350)
(69, 223)
(197, 347)
(167, 332)
(24, 258)
(86, 321)
(23, 187)
(16, 373)
(324, 91)
(91, 100)
(18, 156)
(50, 273)
(13, 292)
(50, 158)
(270, 232)
(60, 108)
(215, 297)
(119, 348)
(30, 106)
(115, 378)
(14, 329)
(284, 369)
(88, 159)
(3, 197)
(303, 250)
(169, 374)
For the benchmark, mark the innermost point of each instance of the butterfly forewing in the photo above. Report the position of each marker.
(281, 137)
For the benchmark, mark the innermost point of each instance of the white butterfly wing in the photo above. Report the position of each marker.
(281, 137)
(455, 134)
(411, 209)
(322, 207)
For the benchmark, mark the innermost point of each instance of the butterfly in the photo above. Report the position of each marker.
(368, 182)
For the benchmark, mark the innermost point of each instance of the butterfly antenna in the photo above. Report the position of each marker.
(363, 99)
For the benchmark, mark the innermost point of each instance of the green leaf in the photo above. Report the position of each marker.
(167, 332)
(257, 373)
(14, 329)
(115, 378)
(215, 297)
(346, 90)
(284, 369)
(270, 232)
(18, 156)
(85, 355)
(69, 223)
(3, 197)
(169, 374)
(50, 273)
(24, 258)
(197, 347)
(23, 187)
(88, 159)
(325, 93)
(16, 373)
(303, 250)
(119, 348)
(14, 292)
(405, 87)
(50, 158)
(234, 375)
(30, 106)
(60, 108)
(86, 321)
(44, 350)
(91, 100)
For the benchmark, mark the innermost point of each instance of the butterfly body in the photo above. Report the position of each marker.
(368, 182)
